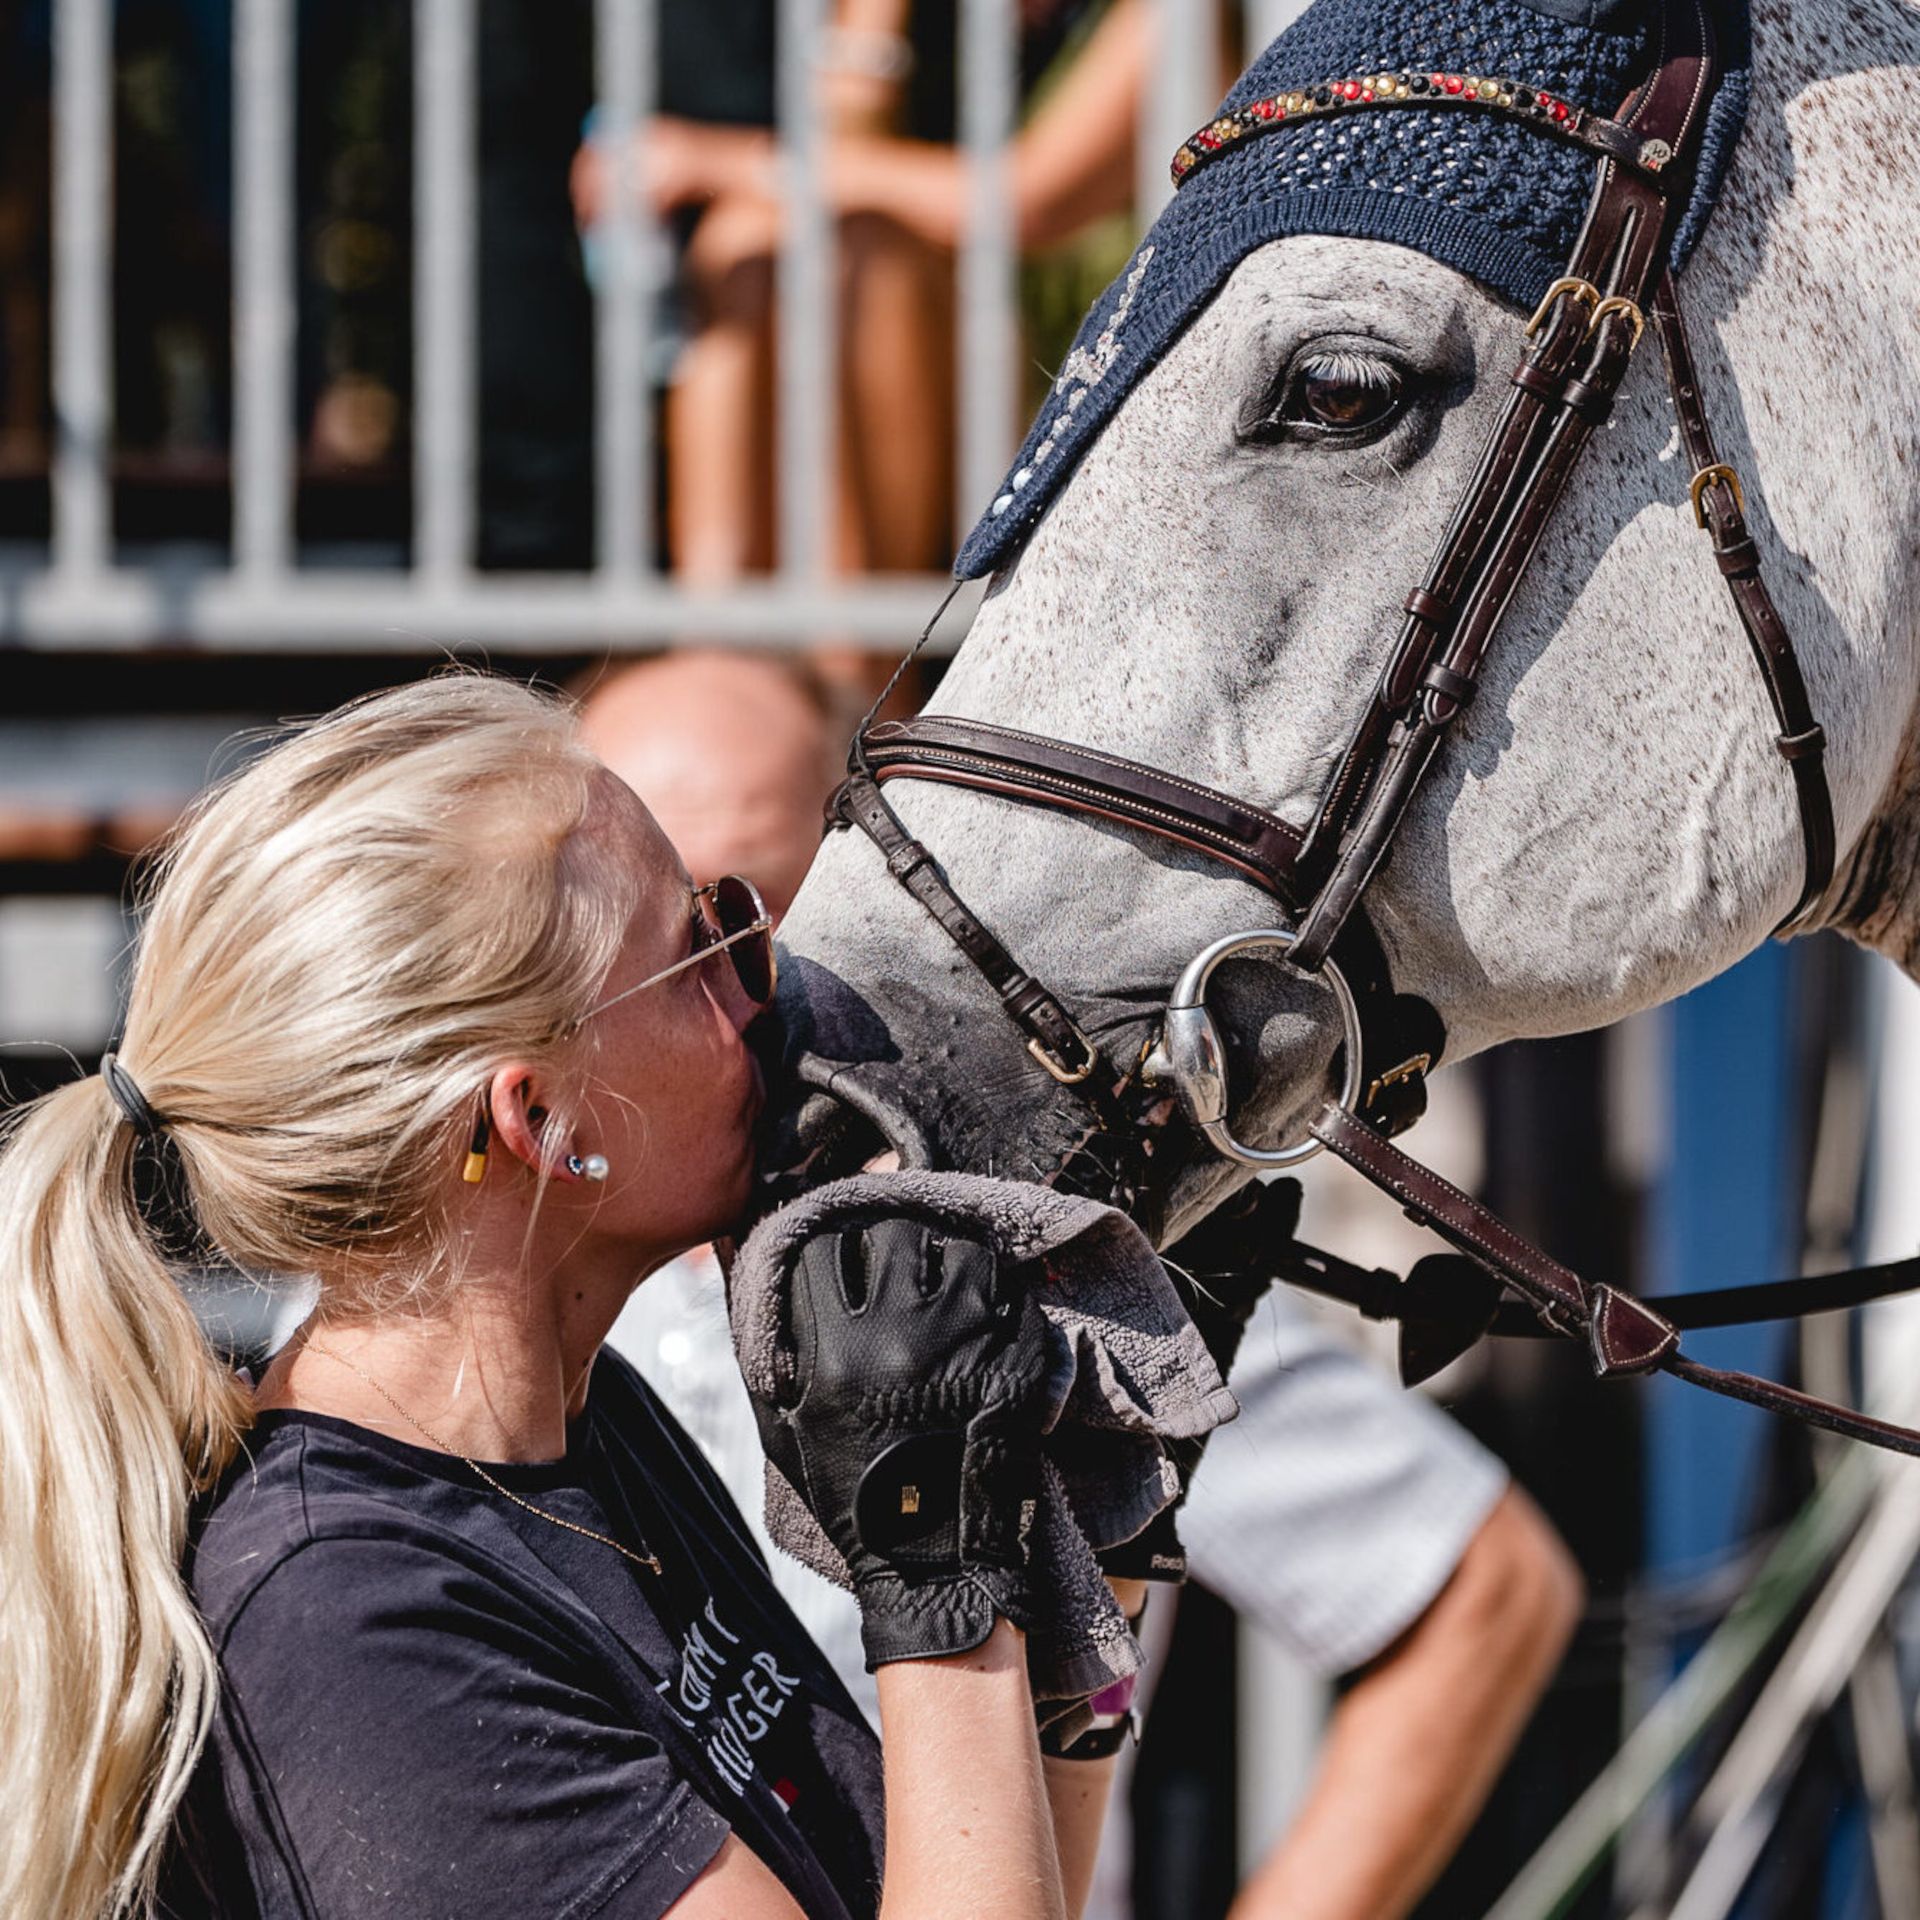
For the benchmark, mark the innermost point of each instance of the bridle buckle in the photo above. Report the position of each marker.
(1067, 1074)
(1706, 477)
(1410, 1068)
(1619, 303)
(1582, 290)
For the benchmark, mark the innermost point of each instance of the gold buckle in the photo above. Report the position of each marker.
(1580, 289)
(1705, 478)
(1619, 303)
(1406, 1070)
(1066, 1075)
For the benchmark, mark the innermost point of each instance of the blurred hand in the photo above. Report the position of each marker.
(685, 163)
(915, 183)
(677, 163)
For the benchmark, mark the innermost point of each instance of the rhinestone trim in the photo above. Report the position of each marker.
(1515, 97)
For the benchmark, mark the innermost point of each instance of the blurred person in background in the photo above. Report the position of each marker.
(425, 1006)
(1348, 1518)
(738, 751)
(25, 31)
(359, 177)
(898, 190)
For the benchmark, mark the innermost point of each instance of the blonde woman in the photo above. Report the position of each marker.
(444, 1617)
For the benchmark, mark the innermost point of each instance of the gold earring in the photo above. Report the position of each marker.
(476, 1168)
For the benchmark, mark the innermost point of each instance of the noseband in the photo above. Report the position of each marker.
(1393, 1039)
(1579, 344)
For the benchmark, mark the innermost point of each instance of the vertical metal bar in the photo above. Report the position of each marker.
(1266, 19)
(624, 249)
(445, 315)
(1183, 61)
(263, 282)
(82, 287)
(988, 317)
(809, 390)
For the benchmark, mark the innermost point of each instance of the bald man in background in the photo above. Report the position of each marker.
(1351, 1520)
(735, 754)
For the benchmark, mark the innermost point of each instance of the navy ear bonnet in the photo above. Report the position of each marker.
(1484, 193)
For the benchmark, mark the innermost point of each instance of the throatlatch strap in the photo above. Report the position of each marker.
(1719, 506)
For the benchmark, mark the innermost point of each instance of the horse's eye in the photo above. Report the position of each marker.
(1332, 396)
(1343, 393)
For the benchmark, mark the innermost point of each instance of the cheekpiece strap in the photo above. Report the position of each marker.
(129, 1099)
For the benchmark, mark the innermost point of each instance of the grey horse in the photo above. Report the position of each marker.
(1609, 824)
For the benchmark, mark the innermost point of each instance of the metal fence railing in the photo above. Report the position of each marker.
(82, 590)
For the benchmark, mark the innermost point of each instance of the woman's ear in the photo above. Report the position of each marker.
(518, 1103)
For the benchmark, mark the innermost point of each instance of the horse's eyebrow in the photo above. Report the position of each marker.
(1314, 279)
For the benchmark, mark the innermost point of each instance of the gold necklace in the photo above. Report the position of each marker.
(641, 1559)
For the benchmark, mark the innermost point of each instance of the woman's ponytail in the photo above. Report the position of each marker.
(114, 1409)
(338, 948)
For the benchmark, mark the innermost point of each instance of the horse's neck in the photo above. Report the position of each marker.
(1808, 280)
(1877, 896)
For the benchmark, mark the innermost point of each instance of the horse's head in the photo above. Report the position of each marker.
(1206, 579)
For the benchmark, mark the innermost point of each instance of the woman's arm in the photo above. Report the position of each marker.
(968, 1826)
(1077, 1794)
(1078, 1790)
(1072, 163)
(1416, 1743)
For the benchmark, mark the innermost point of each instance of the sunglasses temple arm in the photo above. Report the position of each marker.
(762, 926)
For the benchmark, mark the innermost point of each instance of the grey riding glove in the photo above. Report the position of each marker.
(907, 1415)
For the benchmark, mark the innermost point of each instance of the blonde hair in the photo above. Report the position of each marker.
(340, 943)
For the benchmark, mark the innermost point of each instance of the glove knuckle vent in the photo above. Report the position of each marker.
(851, 1265)
(933, 1269)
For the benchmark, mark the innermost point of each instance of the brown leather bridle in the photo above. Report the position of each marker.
(1578, 346)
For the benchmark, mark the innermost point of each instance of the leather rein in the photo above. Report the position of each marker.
(1579, 344)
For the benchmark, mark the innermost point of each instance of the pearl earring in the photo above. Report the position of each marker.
(593, 1167)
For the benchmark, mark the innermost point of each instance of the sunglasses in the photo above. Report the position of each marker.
(728, 917)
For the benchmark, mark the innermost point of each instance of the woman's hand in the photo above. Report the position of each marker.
(911, 1427)
(675, 163)
(688, 163)
(914, 183)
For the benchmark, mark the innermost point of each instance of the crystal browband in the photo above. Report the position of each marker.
(1512, 97)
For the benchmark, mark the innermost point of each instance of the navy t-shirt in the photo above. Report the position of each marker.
(435, 1703)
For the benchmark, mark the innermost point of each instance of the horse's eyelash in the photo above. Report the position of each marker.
(1357, 369)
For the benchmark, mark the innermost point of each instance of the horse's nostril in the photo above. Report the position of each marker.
(817, 1140)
